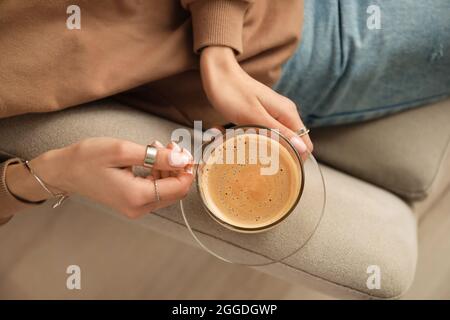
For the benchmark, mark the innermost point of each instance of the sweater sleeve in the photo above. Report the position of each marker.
(217, 22)
(9, 204)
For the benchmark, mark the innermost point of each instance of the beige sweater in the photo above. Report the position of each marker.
(141, 50)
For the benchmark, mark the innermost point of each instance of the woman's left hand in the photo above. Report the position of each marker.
(102, 169)
(244, 100)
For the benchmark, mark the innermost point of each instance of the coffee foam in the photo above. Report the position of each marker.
(240, 195)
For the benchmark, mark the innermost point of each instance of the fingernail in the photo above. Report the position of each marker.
(299, 144)
(178, 159)
(158, 144)
(176, 147)
(188, 153)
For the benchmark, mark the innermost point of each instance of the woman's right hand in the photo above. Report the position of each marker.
(101, 169)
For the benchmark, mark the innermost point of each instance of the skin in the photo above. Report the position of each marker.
(100, 168)
(243, 100)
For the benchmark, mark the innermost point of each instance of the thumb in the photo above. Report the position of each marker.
(131, 153)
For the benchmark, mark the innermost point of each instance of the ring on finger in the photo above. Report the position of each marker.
(302, 132)
(157, 196)
(150, 156)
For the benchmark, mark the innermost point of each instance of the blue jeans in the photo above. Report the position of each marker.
(343, 71)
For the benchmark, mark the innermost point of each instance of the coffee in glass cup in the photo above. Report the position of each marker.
(250, 178)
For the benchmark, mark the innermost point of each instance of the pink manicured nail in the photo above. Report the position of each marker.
(176, 147)
(189, 170)
(178, 159)
(158, 144)
(299, 144)
(188, 153)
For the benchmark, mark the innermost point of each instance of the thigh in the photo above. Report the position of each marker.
(344, 71)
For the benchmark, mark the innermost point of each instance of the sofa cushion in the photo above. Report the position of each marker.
(362, 226)
(405, 153)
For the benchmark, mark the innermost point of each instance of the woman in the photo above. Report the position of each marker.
(343, 71)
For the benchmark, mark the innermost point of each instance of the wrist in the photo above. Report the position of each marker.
(22, 185)
(217, 56)
(50, 168)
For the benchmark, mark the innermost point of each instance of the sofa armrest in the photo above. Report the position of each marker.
(407, 153)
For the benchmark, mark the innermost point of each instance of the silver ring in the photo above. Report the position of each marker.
(158, 199)
(150, 156)
(302, 132)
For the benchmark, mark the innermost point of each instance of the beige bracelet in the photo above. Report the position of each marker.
(60, 197)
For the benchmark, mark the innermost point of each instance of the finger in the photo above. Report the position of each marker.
(219, 128)
(150, 208)
(174, 188)
(171, 146)
(165, 174)
(129, 169)
(156, 174)
(126, 153)
(264, 118)
(284, 111)
(170, 188)
(289, 116)
(174, 146)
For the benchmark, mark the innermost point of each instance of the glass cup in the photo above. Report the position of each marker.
(207, 149)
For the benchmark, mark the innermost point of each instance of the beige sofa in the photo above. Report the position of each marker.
(387, 194)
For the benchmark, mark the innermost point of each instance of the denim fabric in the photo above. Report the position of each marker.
(344, 72)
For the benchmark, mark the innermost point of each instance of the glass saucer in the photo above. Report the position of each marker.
(269, 246)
